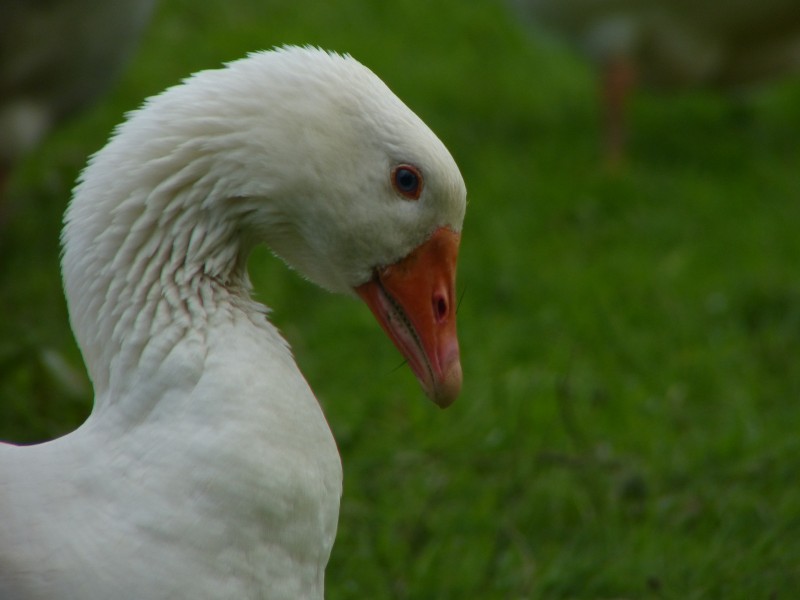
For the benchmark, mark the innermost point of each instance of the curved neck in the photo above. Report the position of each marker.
(150, 272)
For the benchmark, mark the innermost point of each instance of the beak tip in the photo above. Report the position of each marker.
(445, 391)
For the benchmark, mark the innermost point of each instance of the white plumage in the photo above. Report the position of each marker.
(207, 469)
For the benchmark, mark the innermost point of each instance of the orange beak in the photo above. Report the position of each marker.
(414, 301)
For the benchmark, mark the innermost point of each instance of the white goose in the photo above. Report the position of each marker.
(207, 469)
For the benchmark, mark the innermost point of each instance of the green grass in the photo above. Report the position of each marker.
(631, 339)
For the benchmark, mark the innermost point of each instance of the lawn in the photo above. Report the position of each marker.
(630, 338)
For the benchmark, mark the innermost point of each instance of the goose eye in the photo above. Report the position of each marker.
(407, 180)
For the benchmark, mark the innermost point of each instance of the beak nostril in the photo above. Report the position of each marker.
(440, 308)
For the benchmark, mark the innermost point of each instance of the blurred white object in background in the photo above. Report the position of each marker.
(56, 58)
(672, 44)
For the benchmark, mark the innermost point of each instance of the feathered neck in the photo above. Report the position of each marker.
(149, 272)
(155, 240)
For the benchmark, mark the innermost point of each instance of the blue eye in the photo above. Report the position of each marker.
(407, 180)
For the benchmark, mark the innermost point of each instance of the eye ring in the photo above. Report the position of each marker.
(407, 181)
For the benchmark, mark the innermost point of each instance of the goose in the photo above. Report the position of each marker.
(206, 468)
(670, 45)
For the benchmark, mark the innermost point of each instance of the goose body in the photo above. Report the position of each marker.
(206, 468)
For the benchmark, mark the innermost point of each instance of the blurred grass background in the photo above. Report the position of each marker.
(630, 338)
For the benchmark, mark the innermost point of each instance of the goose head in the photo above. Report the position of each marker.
(310, 153)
